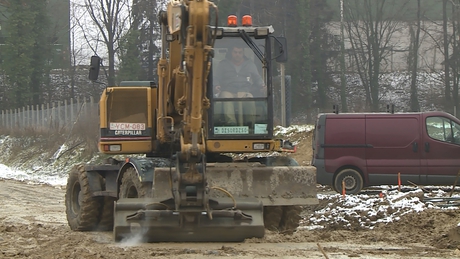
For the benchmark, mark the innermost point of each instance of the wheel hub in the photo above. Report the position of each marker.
(350, 182)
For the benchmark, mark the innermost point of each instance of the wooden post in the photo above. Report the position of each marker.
(399, 181)
(455, 184)
(343, 189)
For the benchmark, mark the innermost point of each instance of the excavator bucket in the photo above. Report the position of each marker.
(237, 194)
(150, 220)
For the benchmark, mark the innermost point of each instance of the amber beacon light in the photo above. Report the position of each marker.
(247, 20)
(232, 21)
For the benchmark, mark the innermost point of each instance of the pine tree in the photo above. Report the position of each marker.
(26, 51)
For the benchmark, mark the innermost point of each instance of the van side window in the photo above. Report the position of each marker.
(443, 129)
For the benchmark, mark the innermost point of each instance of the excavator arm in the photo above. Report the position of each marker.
(187, 22)
(186, 26)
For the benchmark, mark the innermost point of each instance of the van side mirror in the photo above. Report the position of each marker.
(94, 68)
(280, 50)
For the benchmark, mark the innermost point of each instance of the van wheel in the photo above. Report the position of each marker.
(352, 179)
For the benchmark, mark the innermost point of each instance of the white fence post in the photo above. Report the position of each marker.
(43, 117)
(66, 121)
(72, 115)
(16, 119)
(37, 116)
(48, 115)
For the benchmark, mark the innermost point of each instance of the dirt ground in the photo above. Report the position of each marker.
(33, 225)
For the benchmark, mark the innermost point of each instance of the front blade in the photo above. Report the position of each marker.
(273, 186)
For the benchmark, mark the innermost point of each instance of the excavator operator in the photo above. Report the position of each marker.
(237, 77)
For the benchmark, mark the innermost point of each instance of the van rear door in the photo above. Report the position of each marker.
(394, 142)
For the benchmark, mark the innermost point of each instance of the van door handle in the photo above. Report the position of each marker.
(415, 147)
(427, 147)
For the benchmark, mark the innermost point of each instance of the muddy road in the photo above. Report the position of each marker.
(33, 225)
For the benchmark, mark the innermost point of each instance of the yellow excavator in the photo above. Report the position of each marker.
(180, 181)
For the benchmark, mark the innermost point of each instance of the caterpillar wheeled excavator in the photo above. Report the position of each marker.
(179, 182)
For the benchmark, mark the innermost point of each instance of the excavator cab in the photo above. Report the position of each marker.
(242, 106)
(246, 114)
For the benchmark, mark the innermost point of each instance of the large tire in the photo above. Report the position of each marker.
(106, 221)
(131, 186)
(284, 219)
(272, 217)
(353, 181)
(82, 208)
(290, 219)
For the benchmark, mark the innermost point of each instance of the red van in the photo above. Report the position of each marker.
(365, 149)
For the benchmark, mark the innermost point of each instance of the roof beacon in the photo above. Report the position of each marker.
(247, 20)
(232, 21)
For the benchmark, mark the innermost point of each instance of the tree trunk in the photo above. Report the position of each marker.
(414, 104)
(446, 56)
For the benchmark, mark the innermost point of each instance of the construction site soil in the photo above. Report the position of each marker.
(33, 225)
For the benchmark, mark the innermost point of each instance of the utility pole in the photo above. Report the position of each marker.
(283, 95)
(342, 63)
(283, 79)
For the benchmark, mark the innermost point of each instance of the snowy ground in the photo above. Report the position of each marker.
(378, 206)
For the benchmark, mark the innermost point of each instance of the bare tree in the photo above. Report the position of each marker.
(445, 25)
(413, 58)
(111, 18)
(454, 60)
(370, 26)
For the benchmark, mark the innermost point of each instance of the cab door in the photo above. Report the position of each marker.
(441, 149)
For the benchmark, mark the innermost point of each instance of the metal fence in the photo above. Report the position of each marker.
(56, 115)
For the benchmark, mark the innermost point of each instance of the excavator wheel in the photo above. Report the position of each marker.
(106, 221)
(290, 219)
(284, 219)
(272, 217)
(131, 186)
(82, 208)
(106, 218)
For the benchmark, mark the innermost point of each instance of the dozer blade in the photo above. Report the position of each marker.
(273, 186)
(151, 220)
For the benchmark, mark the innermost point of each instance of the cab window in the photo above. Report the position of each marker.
(443, 129)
